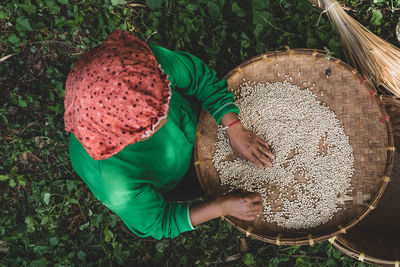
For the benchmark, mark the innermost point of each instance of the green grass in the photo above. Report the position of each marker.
(48, 216)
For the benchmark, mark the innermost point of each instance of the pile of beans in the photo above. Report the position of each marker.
(313, 162)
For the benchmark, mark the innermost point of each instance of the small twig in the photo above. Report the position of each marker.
(305, 256)
(279, 29)
(233, 257)
(6, 57)
(148, 37)
(136, 5)
(50, 41)
(169, 9)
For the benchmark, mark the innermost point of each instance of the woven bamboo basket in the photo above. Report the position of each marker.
(359, 111)
(376, 239)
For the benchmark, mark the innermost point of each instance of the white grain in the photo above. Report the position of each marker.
(290, 118)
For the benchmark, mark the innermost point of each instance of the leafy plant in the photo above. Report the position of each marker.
(48, 216)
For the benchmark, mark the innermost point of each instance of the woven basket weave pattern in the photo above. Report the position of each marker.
(359, 114)
(376, 239)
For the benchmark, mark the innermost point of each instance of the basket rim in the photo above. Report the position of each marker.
(309, 239)
(340, 244)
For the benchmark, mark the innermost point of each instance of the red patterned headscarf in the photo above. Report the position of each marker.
(115, 95)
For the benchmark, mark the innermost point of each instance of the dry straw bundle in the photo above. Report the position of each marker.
(376, 59)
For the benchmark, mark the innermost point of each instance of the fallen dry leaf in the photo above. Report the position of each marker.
(6, 57)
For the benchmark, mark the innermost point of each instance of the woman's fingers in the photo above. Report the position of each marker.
(254, 197)
(264, 147)
(261, 157)
(262, 142)
(266, 152)
(255, 204)
(244, 206)
(255, 160)
(251, 215)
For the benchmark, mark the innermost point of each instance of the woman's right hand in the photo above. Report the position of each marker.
(242, 206)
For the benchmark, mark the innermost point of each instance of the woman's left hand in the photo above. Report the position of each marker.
(249, 146)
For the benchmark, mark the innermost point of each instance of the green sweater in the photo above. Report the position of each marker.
(131, 182)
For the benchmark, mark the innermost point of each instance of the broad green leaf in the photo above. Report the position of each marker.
(12, 38)
(59, 22)
(12, 183)
(248, 259)
(162, 245)
(263, 17)
(261, 4)
(59, 108)
(154, 4)
(257, 30)
(184, 260)
(238, 10)
(54, 8)
(287, 4)
(220, 3)
(84, 226)
(30, 224)
(22, 24)
(46, 198)
(64, 2)
(108, 235)
(40, 250)
(330, 263)
(72, 201)
(39, 263)
(21, 180)
(70, 185)
(98, 220)
(53, 240)
(192, 7)
(118, 2)
(311, 43)
(3, 14)
(245, 43)
(44, 220)
(300, 262)
(284, 259)
(304, 6)
(22, 102)
(376, 18)
(379, 2)
(4, 177)
(3, 117)
(334, 45)
(81, 255)
(28, 8)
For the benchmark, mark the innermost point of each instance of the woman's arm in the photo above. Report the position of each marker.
(190, 76)
(246, 144)
(242, 206)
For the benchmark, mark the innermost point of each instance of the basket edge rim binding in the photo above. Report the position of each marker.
(309, 239)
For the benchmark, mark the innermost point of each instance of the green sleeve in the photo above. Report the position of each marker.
(192, 77)
(146, 213)
(141, 207)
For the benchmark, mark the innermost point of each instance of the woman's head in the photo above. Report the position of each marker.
(115, 95)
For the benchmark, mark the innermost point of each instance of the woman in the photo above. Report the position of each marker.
(133, 129)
